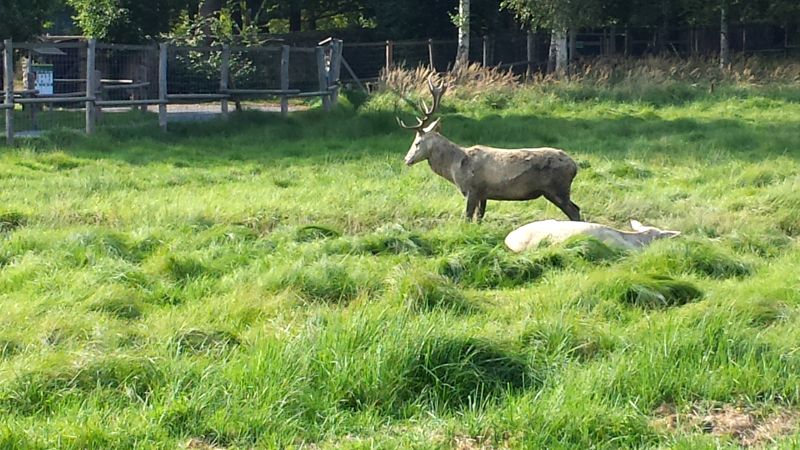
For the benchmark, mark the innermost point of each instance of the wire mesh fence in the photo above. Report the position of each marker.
(303, 70)
(193, 70)
(49, 72)
(126, 72)
(255, 68)
(366, 60)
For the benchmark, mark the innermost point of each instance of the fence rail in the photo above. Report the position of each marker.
(86, 75)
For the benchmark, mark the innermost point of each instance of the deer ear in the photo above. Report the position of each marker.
(436, 126)
(636, 225)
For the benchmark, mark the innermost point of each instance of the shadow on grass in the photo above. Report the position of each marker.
(316, 137)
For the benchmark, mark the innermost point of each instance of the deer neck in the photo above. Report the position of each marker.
(444, 156)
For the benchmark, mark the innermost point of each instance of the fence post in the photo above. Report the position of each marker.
(8, 77)
(389, 55)
(285, 79)
(323, 79)
(223, 78)
(485, 51)
(430, 55)
(612, 43)
(530, 55)
(627, 42)
(162, 86)
(335, 69)
(91, 84)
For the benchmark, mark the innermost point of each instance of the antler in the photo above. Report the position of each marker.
(436, 92)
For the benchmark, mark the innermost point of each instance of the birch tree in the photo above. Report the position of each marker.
(461, 20)
(559, 16)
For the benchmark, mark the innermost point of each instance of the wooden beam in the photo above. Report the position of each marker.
(389, 55)
(431, 60)
(324, 95)
(162, 85)
(197, 96)
(353, 74)
(130, 102)
(91, 83)
(322, 74)
(335, 69)
(104, 46)
(8, 77)
(37, 100)
(285, 79)
(223, 79)
(114, 87)
(262, 91)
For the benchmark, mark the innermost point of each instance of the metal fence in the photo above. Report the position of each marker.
(83, 84)
(524, 51)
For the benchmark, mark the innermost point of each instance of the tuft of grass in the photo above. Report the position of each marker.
(646, 291)
(628, 170)
(326, 281)
(313, 232)
(422, 290)
(9, 348)
(393, 241)
(11, 220)
(463, 372)
(485, 267)
(119, 378)
(118, 301)
(692, 256)
(567, 340)
(203, 341)
(591, 249)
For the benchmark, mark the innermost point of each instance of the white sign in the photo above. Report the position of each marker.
(44, 78)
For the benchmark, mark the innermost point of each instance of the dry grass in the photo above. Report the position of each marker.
(750, 70)
(472, 79)
(604, 72)
(745, 426)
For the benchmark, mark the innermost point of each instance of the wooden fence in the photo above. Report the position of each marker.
(101, 89)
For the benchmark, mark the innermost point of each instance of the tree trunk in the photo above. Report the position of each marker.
(561, 52)
(573, 44)
(551, 53)
(295, 17)
(724, 45)
(207, 10)
(462, 55)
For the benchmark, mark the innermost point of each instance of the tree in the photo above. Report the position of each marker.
(22, 19)
(462, 22)
(127, 21)
(558, 16)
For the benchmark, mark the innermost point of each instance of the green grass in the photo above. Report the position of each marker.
(282, 283)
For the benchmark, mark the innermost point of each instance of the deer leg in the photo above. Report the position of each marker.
(578, 212)
(481, 209)
(565, 204)
(472, 203)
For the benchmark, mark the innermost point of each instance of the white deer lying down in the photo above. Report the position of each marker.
(556, 231)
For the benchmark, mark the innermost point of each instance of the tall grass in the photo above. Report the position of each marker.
(265, 282)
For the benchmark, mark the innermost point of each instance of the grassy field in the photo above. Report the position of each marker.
(288, 283)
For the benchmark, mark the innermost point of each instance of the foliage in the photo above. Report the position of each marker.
(22, 19)
(556, 14)
(127, 21)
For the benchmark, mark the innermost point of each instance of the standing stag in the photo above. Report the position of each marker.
(484, 173)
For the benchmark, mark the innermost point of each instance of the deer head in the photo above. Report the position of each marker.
(651, 233)
(421, 148)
